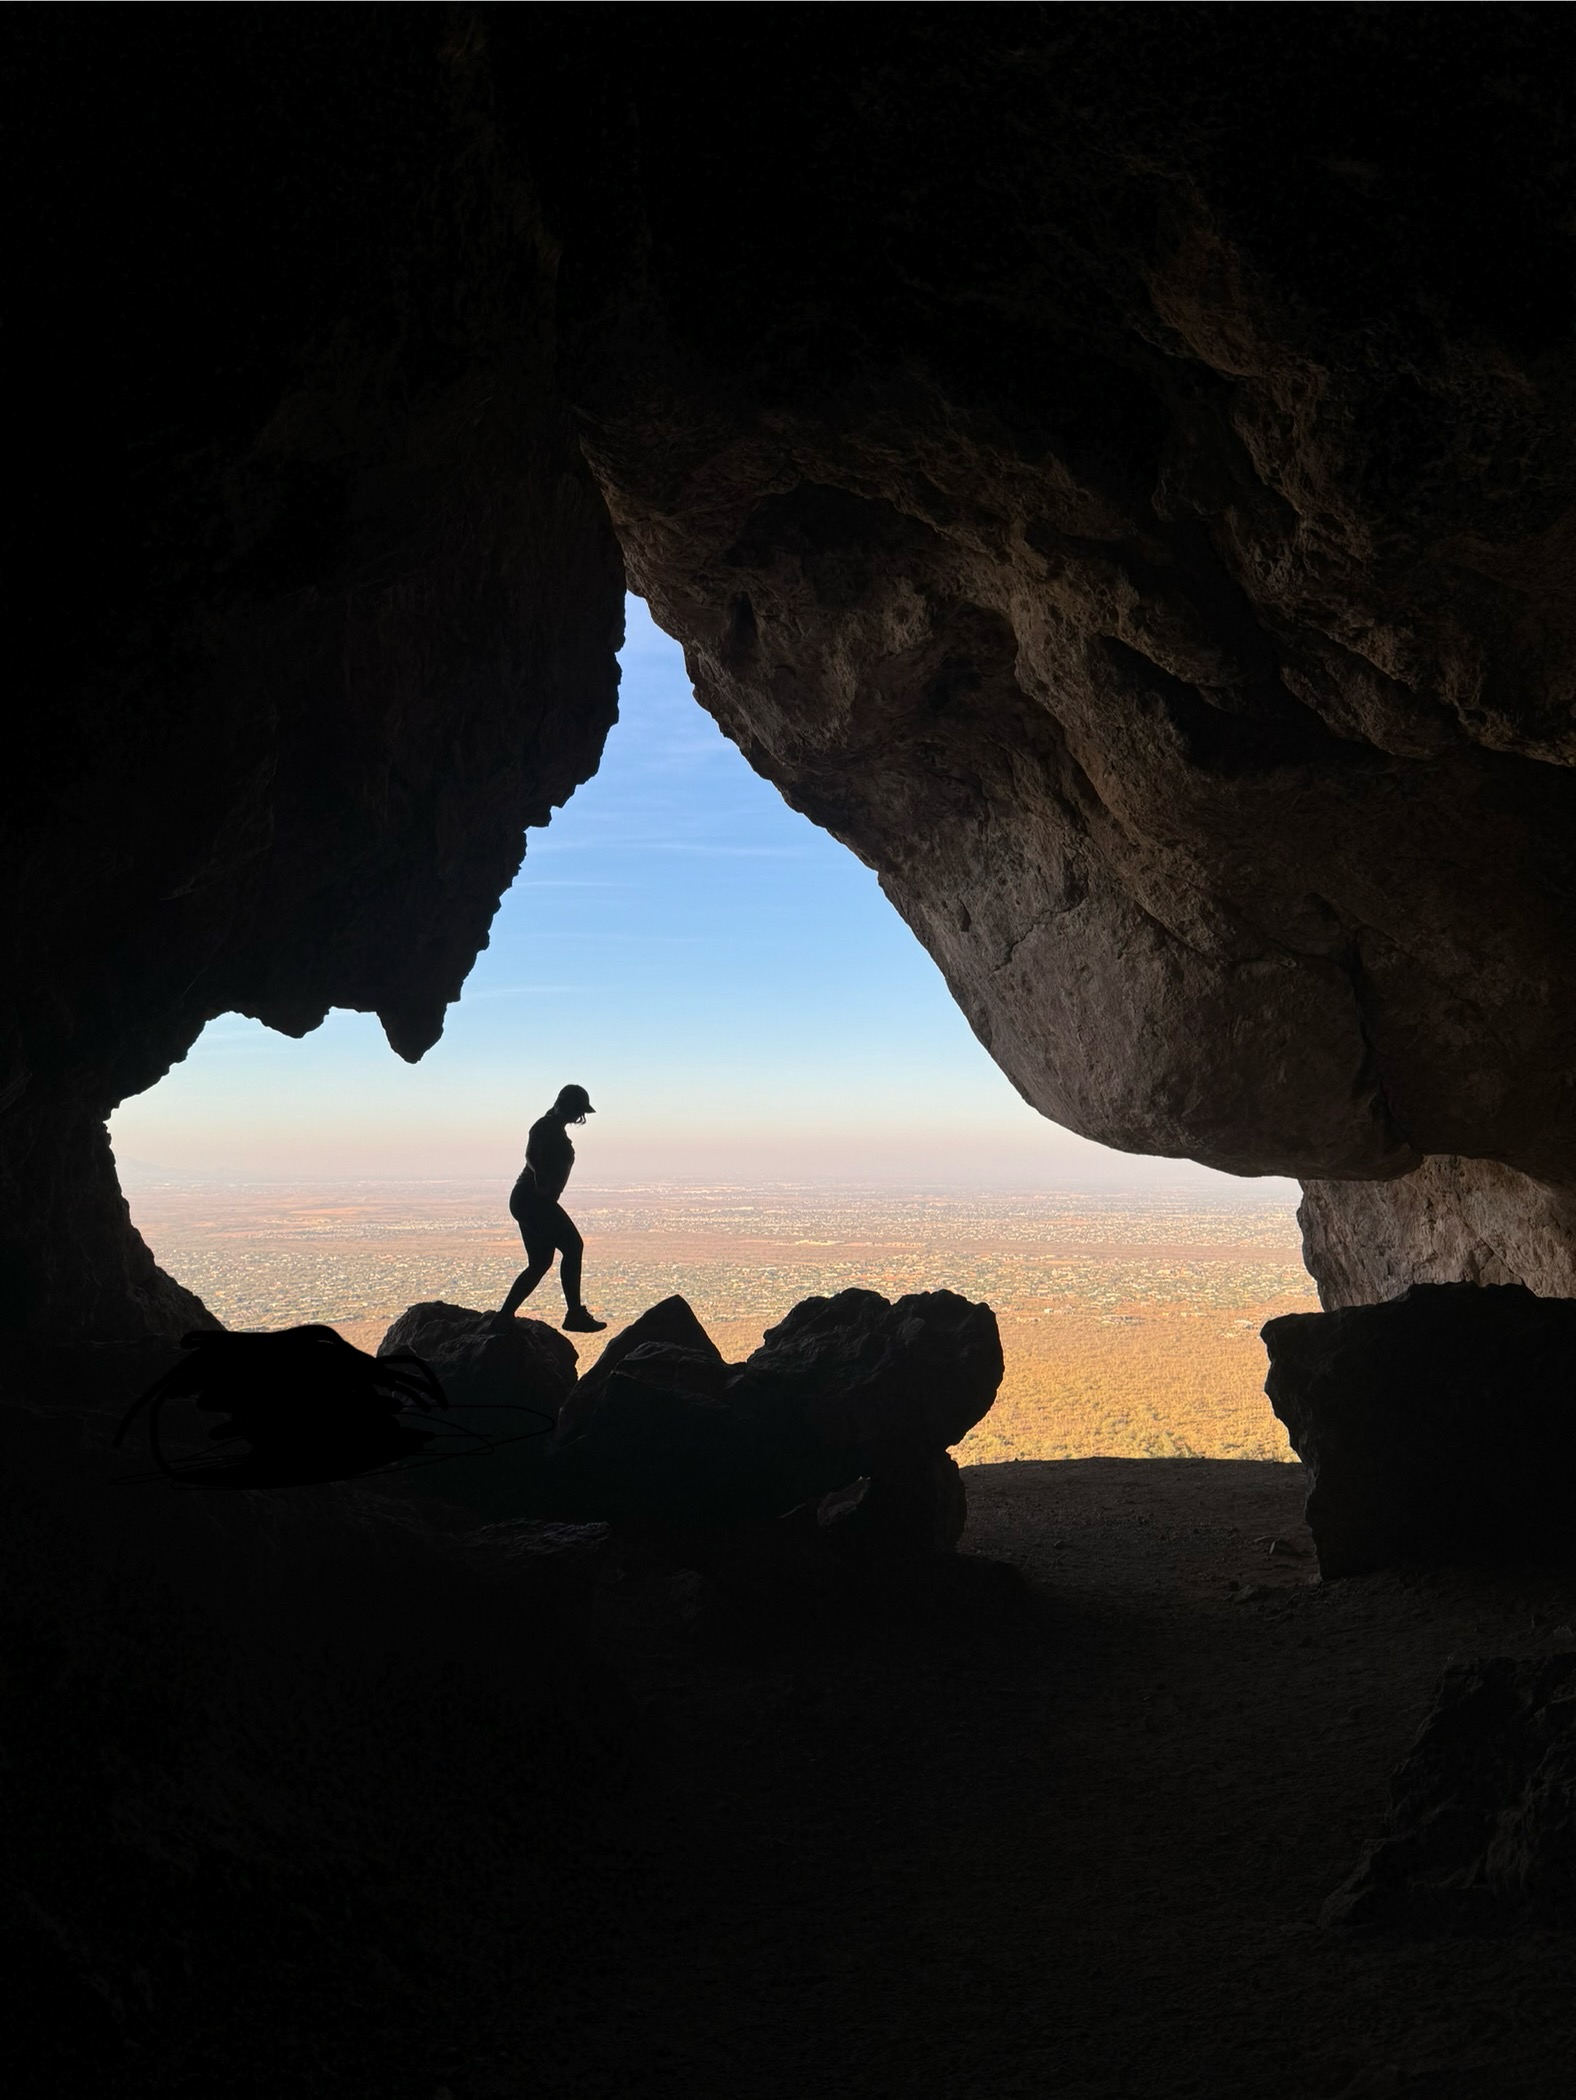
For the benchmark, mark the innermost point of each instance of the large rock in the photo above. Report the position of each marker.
(522, 1363)
(883, 1380)
(354, 598)
(669, 1324)
(913, 1502)
(1126, 537)
(846, 1389)
(1481, 1831)
(1437, 1427)
(1451, 1221)
(505, 1387)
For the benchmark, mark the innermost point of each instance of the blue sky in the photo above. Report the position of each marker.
(728, 982)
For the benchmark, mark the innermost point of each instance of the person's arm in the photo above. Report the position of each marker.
(533, 1149)
(545, 1160)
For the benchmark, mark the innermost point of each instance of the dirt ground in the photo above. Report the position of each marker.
(1065, 1836)
(1055, 1818)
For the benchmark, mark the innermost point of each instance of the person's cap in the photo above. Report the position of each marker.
(577, 1095)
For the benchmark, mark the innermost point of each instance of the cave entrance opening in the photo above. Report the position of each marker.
(789, 1102)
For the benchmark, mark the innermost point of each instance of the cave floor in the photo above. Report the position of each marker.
(1066, 1839)
(1056, 1819)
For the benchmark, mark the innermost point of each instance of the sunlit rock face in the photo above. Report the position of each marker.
(1116, 475)
(1452, 1221)
(315, 600)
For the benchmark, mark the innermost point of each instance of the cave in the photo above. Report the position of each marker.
(1108, 466)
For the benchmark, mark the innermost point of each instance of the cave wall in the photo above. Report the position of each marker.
(315, 602)
(1110, 466)
(1451, 1221)
(1122, 486)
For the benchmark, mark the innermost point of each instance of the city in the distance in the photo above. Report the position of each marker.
(1129, 1319)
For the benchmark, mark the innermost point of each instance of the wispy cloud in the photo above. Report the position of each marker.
(589, 941)
(628, 845)
(516, 991)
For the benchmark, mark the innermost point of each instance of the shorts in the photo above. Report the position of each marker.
(544, 1225)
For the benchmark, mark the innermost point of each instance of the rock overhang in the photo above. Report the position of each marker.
(1110, 467)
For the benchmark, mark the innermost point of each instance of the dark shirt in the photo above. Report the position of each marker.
(548, 1159)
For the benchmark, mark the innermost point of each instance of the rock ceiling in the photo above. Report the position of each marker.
(1111, 467)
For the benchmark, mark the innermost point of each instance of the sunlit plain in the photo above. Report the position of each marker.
(1129, 1321)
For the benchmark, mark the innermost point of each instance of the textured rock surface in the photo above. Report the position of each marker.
(849, 1388)
(505, 1390)
(1436, 1428)
(1140, 536)
(526, 1363)
(888, 1382)
(846, 1390)
(316, 602)
(1481, 1832)
(1452, 1221)
(1121, 485)
(671, 1322)
(917, 1505)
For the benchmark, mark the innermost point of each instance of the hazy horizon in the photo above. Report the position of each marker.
(1193, 1184)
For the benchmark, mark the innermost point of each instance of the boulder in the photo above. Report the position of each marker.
(1481, 1832)
(847, 1392)
(845, 1389)
(1450, 1221)
(694, 1371)
(524, 1364)
(1436, 1427)
(886, 1380)
(917, 1505)
(655, 1455)
(671, 1322)
(505, 1386)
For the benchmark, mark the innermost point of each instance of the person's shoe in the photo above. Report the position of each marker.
(580, 1322)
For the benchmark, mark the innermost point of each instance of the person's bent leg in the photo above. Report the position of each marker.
(572, 1248)
(525, 1283)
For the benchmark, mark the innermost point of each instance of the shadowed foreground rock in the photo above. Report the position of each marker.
(1437, 1427)
(526, 1364)
(669, 1324)
(847, 1392)
(505, 1388)
(1481, 1833)
(845, 1389)
(262, 1752)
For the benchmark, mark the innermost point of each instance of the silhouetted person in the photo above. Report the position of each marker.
(544, 1225)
